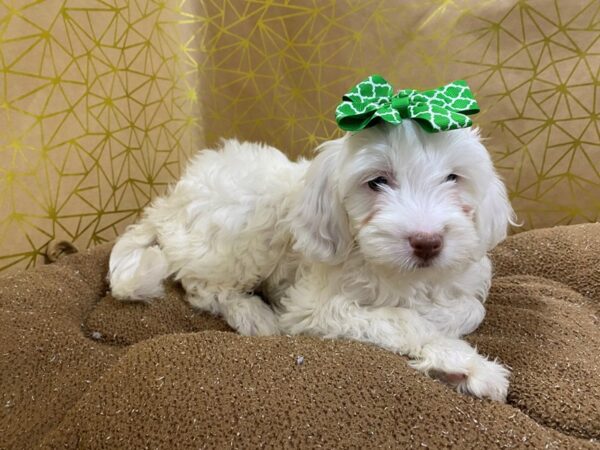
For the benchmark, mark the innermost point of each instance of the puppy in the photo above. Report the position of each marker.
(382, 238)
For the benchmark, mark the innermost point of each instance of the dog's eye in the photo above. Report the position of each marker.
(376, 183)
(452, 178)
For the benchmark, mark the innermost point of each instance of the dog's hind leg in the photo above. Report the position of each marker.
(137, 264)
(200, 297)
(245, 313)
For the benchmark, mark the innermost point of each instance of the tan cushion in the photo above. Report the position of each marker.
(80, 370)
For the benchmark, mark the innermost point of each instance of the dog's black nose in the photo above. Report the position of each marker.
(426, 245)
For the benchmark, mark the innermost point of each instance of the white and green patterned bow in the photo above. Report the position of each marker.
(372, 100)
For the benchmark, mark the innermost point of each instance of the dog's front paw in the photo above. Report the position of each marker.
(485, 379)
(459, 365)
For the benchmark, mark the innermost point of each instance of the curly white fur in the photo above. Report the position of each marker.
(332, 252)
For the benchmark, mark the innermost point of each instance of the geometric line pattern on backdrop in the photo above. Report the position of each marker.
(275, 70)
(98, 113)
(540, 69)
(100, 103)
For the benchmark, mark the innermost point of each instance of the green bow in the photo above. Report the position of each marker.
(372, 100)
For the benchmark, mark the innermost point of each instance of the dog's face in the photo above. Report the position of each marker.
(406, 199)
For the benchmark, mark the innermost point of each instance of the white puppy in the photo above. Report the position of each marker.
(382, 238)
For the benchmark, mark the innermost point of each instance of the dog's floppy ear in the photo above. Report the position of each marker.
(319, 221)
(494, 213)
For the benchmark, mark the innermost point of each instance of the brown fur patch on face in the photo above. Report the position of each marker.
(467, 209)
(469, 212)
(369, 217)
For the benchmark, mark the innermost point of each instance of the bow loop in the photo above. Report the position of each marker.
(372, 100)
(372, 89)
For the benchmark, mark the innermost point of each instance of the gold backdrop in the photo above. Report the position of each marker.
(103, 101)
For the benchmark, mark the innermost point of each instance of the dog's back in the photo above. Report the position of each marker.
(215, 227)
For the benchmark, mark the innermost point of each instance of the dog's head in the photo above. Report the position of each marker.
(404, 198)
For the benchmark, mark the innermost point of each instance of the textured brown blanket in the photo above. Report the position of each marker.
(79, 370)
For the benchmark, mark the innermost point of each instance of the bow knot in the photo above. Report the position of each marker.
(400, 103)
(373, 100)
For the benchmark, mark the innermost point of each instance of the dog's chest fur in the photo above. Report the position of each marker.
(452, 301)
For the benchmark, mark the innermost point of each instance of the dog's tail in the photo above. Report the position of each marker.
(137, 265)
